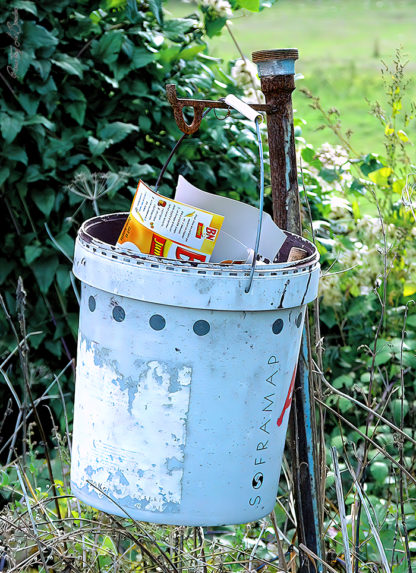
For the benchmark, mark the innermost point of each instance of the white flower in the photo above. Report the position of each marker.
(340, 208)
(330, 290)
(333, 155)
(244, 73)
(351, 258)
(336, 157)
(219, 8)
(370, 228)
(365, 290)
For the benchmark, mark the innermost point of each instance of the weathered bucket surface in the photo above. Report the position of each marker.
(184, 380)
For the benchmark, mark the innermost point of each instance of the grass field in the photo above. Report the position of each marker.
(341, 44)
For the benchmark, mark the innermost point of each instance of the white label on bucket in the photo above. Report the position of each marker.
(130, 428)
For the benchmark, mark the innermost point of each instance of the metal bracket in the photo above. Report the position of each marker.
(198, 105)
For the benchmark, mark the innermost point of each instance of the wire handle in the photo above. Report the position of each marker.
(251, 114)
(261, 204)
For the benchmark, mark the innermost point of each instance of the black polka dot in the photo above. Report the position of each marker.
(201, 327)
(298, 320)
(157, 322)
(92, 304)
(277, 326)
(118, 314)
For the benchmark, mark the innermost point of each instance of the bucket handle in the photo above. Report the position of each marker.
(246, 110)
(261, 205)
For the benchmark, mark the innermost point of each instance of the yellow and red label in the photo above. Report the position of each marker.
(199, 230)
(166, 228)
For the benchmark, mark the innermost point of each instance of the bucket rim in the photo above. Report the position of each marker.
(128, 256)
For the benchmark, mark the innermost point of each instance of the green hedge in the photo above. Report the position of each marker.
(84, 93)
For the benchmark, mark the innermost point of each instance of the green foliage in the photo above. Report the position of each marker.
(89, 539)
(88, 97)
(217, 12)
(364, 225)
(83, 116)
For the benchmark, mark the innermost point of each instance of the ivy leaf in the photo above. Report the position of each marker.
(411, 320)
(206, 172)
(76, 110)
(33, 173)
(328, 317)
(141, 57)
(4, 173)
(44, 200)
(167, 55)
(156, 9)
(72, 93)
(20, 61)
(309, 155)
(54, 347)
(191, 53)
(328, 174)
(35, 36)
(66, 242)
(252, 5)
(26, 6)
(379, 470)
(29, 103)
(43, 67)
(16, 153)
(44, 271)
(63, 278)
(382, 357)
(396, 406)
(177, 28)
(42, 120)
(32, 252)
(116, 131)
(213, 26)
(132, 13)
(409, 360)
(72, 66)
(370, 163)
(96, 146)
(343, 380)
(108, 46)
(11, 125)
(145, 123)
(6, 266)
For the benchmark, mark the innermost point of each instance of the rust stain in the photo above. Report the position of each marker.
(278, 93)
(284, 293)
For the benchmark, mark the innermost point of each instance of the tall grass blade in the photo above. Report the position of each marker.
(341, 508)
(372, 526)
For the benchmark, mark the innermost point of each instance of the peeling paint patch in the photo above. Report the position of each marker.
(130, 428)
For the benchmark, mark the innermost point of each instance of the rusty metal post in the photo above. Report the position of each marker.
(276, 70)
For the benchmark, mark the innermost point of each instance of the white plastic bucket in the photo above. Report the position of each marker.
(184, 380)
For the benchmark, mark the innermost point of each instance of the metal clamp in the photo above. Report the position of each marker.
(198, 106)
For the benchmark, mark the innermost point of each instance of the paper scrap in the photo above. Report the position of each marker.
(240, 220)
